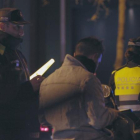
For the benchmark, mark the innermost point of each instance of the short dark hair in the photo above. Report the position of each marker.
(133, 50)
(88, 46)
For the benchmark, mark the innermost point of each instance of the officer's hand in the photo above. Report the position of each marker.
(36, 81)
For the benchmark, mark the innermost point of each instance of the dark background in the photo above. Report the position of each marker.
(42, 36)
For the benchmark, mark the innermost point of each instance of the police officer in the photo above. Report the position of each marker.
(125, 81)
(17, 91)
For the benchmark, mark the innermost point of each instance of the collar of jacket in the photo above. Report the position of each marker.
(132, 64)
(88, 63)
(129, 64)
(2, 49)
(82, 61)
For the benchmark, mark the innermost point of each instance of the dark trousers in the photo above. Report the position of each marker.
(16, 135)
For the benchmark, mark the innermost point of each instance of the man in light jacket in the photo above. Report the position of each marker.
(71, 98)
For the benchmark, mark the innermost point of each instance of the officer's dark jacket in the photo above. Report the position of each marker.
(15, 88)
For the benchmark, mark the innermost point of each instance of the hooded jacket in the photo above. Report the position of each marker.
(71, 100)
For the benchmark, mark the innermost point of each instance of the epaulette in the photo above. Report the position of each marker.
(2, 49)
(113, 71)
(118, 69)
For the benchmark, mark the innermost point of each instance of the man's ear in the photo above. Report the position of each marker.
(2, 26)
(127, 53)
(74, 54)
(94, 56)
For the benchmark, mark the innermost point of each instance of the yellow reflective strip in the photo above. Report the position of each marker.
(127, 81)
(2, 49)
(113, 72)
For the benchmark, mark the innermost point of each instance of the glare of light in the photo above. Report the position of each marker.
(131, 13)
(43, 69)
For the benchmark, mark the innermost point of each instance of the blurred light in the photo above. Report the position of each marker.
(43, 69)
(44, 129)
(131, 14)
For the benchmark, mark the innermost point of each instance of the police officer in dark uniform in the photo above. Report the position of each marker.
(17, 91)
(126, 80)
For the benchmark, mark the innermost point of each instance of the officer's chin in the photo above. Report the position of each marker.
(18, 36)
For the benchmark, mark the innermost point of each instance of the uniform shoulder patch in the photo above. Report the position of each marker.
(113, 72)
(118, 69)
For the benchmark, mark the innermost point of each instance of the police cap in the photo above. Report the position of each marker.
(12, 15)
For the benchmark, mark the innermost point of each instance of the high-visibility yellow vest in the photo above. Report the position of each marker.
(127, 81)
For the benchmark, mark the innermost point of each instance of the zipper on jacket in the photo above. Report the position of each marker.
(23, 66)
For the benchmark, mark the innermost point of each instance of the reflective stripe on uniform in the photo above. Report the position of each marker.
(2, 49)
(132, 107)
(128, 97)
